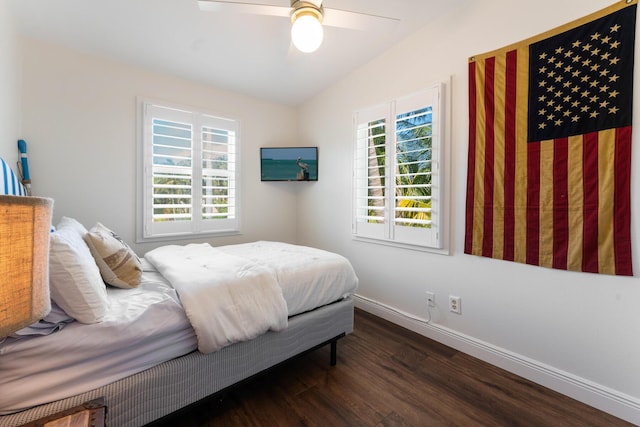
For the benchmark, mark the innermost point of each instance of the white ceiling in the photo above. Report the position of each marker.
(246, 53)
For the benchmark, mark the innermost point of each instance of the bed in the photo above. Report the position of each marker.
(148, 348)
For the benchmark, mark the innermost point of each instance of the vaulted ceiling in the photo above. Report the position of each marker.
(242, 52)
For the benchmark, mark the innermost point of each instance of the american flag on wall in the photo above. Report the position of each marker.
(550, 147)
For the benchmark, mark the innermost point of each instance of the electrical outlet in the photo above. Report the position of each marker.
(431, 299)
(455, 304)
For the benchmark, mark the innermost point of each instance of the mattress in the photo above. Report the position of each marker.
(144, 326)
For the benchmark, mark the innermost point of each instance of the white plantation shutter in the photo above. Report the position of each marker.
(417, 161)
(371, 185)
(218, 178)
(398, 150)
(190, 172)
(413, 183)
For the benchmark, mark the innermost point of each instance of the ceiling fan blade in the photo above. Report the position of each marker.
(331, 17)
(317, 3)
(356, 20)
(264, 8)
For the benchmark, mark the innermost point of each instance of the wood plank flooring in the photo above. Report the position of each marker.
(389, 376)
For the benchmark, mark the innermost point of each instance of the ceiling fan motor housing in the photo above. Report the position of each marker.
(305, 8)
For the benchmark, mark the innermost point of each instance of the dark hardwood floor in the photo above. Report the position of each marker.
(389, 376)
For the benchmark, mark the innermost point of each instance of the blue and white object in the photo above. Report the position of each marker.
(24, 164)
(9, 182)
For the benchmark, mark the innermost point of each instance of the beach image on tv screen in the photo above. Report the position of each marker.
(289, 164)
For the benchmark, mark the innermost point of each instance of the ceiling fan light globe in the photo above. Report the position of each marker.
(307, 33)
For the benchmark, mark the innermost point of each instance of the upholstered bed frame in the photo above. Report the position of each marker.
(157, 392)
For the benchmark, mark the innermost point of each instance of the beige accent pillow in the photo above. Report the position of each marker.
(118, 264)
(74, 278)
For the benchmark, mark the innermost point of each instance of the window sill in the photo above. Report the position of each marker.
(439, 251)
(186, 236)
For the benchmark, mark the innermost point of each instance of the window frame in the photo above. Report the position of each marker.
(196, 226)
(435, 238)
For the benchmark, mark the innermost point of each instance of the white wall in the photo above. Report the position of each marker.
(9, 87)
(79, 119)
(575, 332)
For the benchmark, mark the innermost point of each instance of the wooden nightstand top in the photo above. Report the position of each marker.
(89, 414)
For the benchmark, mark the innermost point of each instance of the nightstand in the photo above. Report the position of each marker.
(89, 414)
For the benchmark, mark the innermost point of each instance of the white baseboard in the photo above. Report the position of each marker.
(603, 398)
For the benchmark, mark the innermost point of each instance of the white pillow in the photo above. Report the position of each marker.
(74, 278)
(118, 264)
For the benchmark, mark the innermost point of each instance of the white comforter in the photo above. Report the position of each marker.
(227, 298)
(309, 277)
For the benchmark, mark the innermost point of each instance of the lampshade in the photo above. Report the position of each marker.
(25, 224)
(306, 31)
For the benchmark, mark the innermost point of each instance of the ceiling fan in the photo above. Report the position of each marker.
(307, 17)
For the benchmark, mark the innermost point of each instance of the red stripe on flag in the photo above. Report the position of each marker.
(560, 203)
(489, 152)
(533, 203)
(510, 156)
(591, 196)
(622, 202)
(471, 164)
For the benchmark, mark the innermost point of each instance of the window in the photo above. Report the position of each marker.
(398, 171)
(189, 173)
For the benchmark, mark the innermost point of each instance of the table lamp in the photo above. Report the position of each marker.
(25, 224)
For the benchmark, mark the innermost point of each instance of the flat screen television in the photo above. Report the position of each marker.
(289, 163)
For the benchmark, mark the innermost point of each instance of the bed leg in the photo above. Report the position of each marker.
(334, 352)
